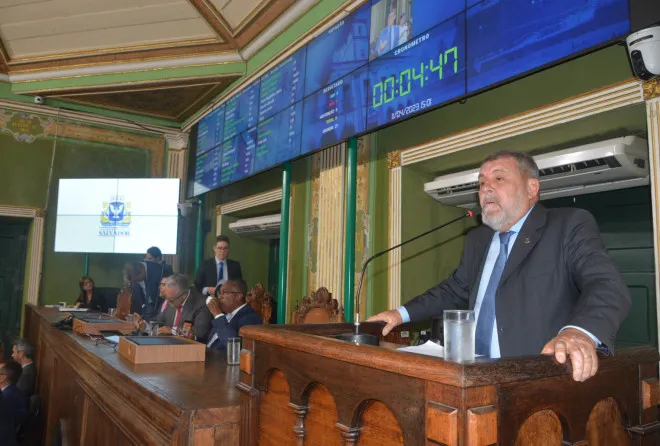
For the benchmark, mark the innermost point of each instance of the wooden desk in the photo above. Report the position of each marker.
(105, 400)
(301, 387)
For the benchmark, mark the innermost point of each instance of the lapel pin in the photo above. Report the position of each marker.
(527, 240)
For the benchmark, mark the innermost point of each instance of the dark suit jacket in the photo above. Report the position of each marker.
(207, 274)
(245, 316)
(193, 310)
(97, 303)
(558, 273)
(17, 404)
(26, 382)
(7, 429)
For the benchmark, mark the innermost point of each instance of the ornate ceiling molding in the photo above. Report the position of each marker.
(120, 68)
(651, 89)
(87, 118)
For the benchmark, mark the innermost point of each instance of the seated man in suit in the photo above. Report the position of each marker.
(230, 313)
(144, 280)
(216, 271)
(183, 304)
(7, 430)
(23, 353)
(539, 280)
(10, 372)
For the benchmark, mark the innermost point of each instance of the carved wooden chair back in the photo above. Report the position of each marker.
(319, 308)
(261, 301)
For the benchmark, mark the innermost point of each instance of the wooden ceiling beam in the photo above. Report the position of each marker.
(123, 57)
(261, 21)
(4, 58)
(214, 20)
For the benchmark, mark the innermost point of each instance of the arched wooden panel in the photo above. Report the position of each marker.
(275, 413)
(378, 426)
(605, 427)
(321, 419)
(541, 429)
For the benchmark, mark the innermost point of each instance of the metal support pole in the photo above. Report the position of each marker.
(284, 244)
(349, 249)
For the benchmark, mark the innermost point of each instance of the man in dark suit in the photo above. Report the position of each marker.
(10, 372)
(539, 280)
(230, 313)
(7, 430)
(155, 255)
(218, 270)
(144, 279)
(23, 353)
(183, 304)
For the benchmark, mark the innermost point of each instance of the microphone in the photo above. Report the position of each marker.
(356, 337)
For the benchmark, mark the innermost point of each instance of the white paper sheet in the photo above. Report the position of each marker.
(429, 348)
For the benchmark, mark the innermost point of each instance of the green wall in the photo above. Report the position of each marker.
(250, 252)
(24, 170)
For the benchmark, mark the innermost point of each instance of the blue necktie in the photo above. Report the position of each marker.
(221, 274)
(486, 321)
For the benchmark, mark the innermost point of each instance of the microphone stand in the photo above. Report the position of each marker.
(366, 339)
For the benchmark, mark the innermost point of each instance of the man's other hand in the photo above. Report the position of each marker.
(391, 317)
(579, 347)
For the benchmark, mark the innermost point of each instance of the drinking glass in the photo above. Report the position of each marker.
(459, 330)
(112, 312)
(233, 351)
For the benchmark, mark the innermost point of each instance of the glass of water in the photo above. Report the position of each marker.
(112, 312)
(459, 329)
(233, 351)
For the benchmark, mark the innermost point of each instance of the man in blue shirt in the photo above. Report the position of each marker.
(540, 280)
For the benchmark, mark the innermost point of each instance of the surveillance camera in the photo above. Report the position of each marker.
(644, 52)
(39, 100)
(185, 209)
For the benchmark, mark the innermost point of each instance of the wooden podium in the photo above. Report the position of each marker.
(94, 324)
(161, 349)
(300, 386)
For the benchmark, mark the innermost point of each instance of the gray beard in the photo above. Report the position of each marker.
(495, 223)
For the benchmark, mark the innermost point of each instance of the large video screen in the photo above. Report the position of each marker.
(207, 171)
(387, 61)
(278, 137)
(335, 112)
(426, 71)
(394, 23)
(117, 215)
(211, 130)
(338, 51)
(282, 86)
(510, 37)
(241, 111)
(238, 155)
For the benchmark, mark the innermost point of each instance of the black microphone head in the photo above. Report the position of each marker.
(471, 213)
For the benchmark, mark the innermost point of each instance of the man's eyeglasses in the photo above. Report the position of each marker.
(229, 292)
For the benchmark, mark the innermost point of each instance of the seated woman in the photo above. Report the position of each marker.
(89, 297)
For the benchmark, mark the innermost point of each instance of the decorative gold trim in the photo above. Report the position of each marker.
(651, 89)
(394, 159)
(577, 107)
(146, 70)
(123, 61)
(252, 201)
(653, 125)
(255, 12)
(116, 50)
(119, 84)
(33, 269)
(218, 209)
(394, 257)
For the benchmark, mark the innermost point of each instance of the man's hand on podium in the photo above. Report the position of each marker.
(391, 317)
(579, 347)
